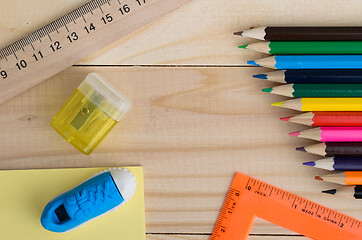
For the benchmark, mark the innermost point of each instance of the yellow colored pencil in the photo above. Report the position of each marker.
(322, 104)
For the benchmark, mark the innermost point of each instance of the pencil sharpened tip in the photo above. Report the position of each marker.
(253, 63)
(330, 191)
(301, 149)
(318, 178)
(260, 76)
(311, 164)
(294, 134)
(267, 90)
(285, 119)
(277, 104)
(243, 46)
(239, 33)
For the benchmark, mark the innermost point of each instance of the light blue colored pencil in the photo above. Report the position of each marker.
(310, 62)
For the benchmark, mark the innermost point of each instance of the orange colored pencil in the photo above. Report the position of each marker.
(344, 178)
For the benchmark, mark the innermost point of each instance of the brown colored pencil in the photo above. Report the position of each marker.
(330, 149)
(304, 33)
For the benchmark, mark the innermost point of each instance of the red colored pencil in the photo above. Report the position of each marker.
(343, 119)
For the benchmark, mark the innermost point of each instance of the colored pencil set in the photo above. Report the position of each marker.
(321, 69)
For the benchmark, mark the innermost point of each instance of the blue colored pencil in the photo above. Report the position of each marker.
(310, 62)
(338, 163)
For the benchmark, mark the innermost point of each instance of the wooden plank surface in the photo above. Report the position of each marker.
(191, 128)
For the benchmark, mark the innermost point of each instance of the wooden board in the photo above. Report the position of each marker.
(191, 128)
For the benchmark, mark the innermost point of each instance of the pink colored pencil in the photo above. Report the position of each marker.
(332, 134)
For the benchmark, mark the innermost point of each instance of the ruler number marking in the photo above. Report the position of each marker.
(55, 46)
(73, 37)
(140, 2)
(91, 28)
(39, 54)
(124, 9)
(3, 74)
(21, 65)
(107, 19)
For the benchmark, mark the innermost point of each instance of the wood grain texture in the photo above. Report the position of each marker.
(199, 33)
(190, 128)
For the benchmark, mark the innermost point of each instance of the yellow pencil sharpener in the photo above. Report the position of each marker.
(90, 113)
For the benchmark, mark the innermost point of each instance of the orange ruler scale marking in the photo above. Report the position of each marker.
(249, 198)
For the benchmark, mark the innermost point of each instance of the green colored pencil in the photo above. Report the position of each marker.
(317, 90)
(306, 47)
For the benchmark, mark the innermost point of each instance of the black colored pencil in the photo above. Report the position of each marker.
(330, 149)
(354, 192)
(313, 76)
(304, 33)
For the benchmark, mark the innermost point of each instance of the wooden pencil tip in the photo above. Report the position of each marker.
(252, 63)
(267, 90)
(330, 191)
(301, 149)
(311, 164)
(318, 178)
(285, 119)
(239, 33)
(294, 134)
(277, 104)
(260, 76)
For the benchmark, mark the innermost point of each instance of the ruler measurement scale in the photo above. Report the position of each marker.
(249, 198)
(73, 37)
(51, 28)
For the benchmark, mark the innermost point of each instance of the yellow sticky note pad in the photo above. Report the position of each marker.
(24, 194)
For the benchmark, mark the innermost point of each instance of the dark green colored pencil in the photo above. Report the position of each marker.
(317, 90)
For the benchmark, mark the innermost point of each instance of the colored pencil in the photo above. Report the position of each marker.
(331, 134)
(304, 33)
(332, 119)
(338, 163)
(329, 149)
(345, 178)
(310, 62)
(317, 90)
(313, 76)
(306, 47)
(322, 104)
(354, 192)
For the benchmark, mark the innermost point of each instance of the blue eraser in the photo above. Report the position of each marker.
(105, 191)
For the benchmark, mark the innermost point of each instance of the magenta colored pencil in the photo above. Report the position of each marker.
(332, 134)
